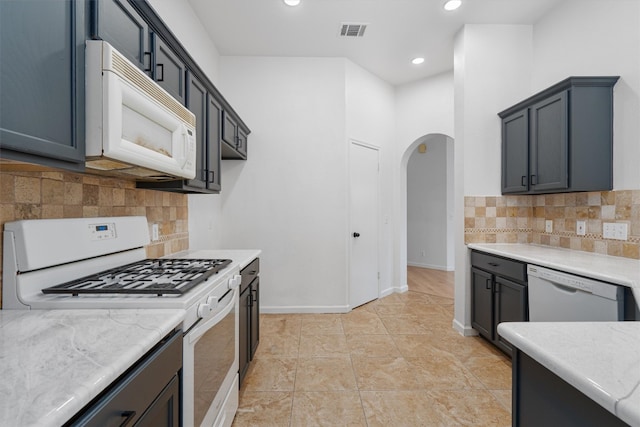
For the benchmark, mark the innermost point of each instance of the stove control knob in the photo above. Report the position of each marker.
(235, 281)
(212, 301)
(204, 310)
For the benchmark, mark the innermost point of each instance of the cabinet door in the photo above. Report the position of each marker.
(214, 128)
(229, 131)
(242, 143)
(165, 410)
(515, 153)
(168, 71)
(197, 104)
(119, 24)
(255, 316)
(482, 302)
(42, 82)
(510, 306)
(243, 333)
(549, 149)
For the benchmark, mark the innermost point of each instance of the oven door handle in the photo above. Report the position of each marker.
(200, 328)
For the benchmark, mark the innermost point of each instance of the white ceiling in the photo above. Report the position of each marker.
(397, 31)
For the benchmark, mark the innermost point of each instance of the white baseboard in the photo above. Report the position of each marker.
(394, 290)
(463, 330)
(430, 266)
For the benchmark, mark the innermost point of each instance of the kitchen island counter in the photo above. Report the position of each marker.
(599, 359)
(54, 362)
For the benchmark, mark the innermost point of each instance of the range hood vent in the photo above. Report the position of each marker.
(352, 29)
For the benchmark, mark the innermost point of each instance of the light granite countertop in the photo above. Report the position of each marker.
(54, 362)
(617, 270)
(601, 359)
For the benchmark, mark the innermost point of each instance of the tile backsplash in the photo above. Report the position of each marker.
(521, 219)
(42, 193)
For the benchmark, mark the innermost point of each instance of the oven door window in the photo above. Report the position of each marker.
(214, 355)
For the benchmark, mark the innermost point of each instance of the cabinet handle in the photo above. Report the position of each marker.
(523, 181)
(534, 179)
(494, 264)
(254, 296)
(128, 417)
(161, 67)
(488, 284)
(212, 176)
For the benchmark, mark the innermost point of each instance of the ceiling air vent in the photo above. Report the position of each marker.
(352, 30)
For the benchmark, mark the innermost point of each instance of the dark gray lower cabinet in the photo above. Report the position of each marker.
(541, 398)
(498, 294)
(147, 395)
(42, 82)
(249, 313)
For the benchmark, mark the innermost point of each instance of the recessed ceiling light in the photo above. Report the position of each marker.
(452, 4)
(417, 61)
(292, 2)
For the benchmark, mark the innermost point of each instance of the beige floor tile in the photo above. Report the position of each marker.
(399, 409)
(325, 374)
(503, 397)
(362, 322)
(372, 346)
(409, 324)
(324, 408)
(469, 408)
(321, 324)
(264, 409)
(280, 324)
(323, 346)
(271, 374)
(278, 346)
(494, 372)
(448, 341)
(384, 373)
(444, 372)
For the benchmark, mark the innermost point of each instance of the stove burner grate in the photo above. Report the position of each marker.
(150, 276)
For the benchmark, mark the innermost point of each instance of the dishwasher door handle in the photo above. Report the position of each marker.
(567, 289)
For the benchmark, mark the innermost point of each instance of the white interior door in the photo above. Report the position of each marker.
(363, 199)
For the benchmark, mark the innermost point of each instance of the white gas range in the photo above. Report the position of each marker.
(101, 263)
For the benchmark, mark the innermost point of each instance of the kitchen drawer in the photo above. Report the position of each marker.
(249, 273)
(500, 266)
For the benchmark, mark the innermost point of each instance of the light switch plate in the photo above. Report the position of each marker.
(609, 230)
(621, 231)
(155, 234)
(581, 228)
(548, 226)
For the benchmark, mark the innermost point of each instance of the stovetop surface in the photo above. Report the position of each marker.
(150, 276)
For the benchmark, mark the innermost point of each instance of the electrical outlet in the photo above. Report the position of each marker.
(423, 254)
(609, 230)
(155, 232)
(548, 226)
(622, 231)
(581, 228)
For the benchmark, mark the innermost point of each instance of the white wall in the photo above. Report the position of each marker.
(370, 118)
(492, 66)
(598, 38)
(288, 198)
(427, 205)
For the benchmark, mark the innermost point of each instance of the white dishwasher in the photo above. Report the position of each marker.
(556, 296)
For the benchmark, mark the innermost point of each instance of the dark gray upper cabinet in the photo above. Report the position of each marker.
(168, 70)
(234, 138)
(214, 129)
(42, 82)
(560, 139)
(119, 24)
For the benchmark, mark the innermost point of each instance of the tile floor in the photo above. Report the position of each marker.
(393, 362)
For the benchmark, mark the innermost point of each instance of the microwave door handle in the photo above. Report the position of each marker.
(185, 140)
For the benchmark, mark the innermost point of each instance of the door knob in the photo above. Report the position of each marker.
(356, 234)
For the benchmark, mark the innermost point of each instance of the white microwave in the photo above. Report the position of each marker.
(134, 128)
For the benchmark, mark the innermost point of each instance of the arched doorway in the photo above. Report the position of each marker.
(427, 192)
